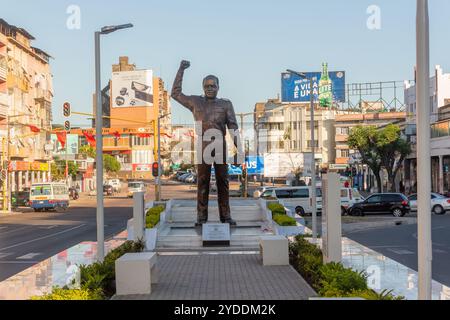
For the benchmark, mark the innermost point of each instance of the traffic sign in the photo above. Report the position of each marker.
(66, 109)
(4, 174)
(67, 125)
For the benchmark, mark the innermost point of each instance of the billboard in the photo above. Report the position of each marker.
(72, 143)
(279, 165)
(132, 89)
(255, 165)
(296, 89)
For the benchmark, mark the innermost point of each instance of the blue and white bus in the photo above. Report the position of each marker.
(48, 196)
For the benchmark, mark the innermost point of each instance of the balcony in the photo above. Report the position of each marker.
(45, 95)
(3, 71)
(3, 105)
(341, 138)
(342, 160)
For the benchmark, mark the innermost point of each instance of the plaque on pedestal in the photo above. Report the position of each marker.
(216, 234)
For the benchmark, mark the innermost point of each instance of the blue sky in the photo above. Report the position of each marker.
(247, 44)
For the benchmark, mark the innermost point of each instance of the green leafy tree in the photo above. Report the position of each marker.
(380, 148)
(58, 169)
(111, 164)
(87, 150)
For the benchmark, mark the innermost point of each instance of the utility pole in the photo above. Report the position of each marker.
(423, 152)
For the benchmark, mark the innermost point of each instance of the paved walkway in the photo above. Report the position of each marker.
(223, 277)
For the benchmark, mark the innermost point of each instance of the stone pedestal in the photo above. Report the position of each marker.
(135, 273)
(274, 250)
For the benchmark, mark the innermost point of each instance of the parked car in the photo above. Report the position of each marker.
(349, 197)
(135, 186)
(108, 190)
(439, 203)
(116, 184)
(191, 179)
(186, 176)
(396, 204)
(183, 176)
(179, 174)
(20, 198)
(298, 198)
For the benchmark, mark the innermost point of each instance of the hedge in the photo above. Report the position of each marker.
(276, 208)
(284, 220)
(152, 216)
(331, 279)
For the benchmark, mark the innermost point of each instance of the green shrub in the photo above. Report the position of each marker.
(284, 220)
(276, 208)
(101, 275)
(338, 281)
(71, 294)
(307, 259)
(153, 215)
(332, 279)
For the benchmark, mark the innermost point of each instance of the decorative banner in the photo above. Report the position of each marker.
(90, 138)
(132, 89)
(62, 138)
(34, 128)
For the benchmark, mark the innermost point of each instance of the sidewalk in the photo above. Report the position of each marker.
(232, 276)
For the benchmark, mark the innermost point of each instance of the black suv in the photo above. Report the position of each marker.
(396, 204)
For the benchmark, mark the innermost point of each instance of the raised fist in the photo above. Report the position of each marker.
(185, 64)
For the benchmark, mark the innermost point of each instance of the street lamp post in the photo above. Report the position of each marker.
(99, 140)
(158, 184)
(423, 151)
(313, 151)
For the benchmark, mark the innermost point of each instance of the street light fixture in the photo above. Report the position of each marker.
(313, 150)
(99, 139)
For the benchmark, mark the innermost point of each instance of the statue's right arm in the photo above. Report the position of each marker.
(177, 91)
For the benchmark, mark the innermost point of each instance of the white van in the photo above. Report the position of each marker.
(297, 198)
(49, 196)
(349, 196)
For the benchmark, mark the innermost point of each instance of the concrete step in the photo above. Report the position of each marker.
(214, 216)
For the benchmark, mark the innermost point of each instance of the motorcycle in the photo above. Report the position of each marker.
(73, 194)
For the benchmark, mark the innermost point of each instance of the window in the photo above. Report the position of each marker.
(344, 193)
(283, 194)
(392, 198)
(308, 144)
(374, 199)
(301, 193)
(413, 197)
(267, 194)
(345, 153)
(345, 130)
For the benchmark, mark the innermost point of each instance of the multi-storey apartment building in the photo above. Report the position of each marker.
(286, 128)
(25, 107)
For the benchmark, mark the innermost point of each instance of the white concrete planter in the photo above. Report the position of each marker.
(288, 231)
(150, 239)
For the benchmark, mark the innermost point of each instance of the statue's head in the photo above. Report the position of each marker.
(211, 86)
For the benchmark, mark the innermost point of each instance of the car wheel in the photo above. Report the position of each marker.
(397, 212)
(357, 212)
(438, 210)
(343, 211)
(300, 211)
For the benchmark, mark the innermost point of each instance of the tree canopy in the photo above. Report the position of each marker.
(380, 148)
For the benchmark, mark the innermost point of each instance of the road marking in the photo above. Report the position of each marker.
(439, 251)
(3, 228)
(400, 251)
(20, 262)
(42, 238)
(5, 254)
(48, 227)
(28, 256)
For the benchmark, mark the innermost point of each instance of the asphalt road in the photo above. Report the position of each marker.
(29, 237)
(400, 244)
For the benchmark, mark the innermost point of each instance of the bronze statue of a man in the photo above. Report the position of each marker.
(214, 114)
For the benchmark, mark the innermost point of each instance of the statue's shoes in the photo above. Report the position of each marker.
(229, 221)
(200, 223)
